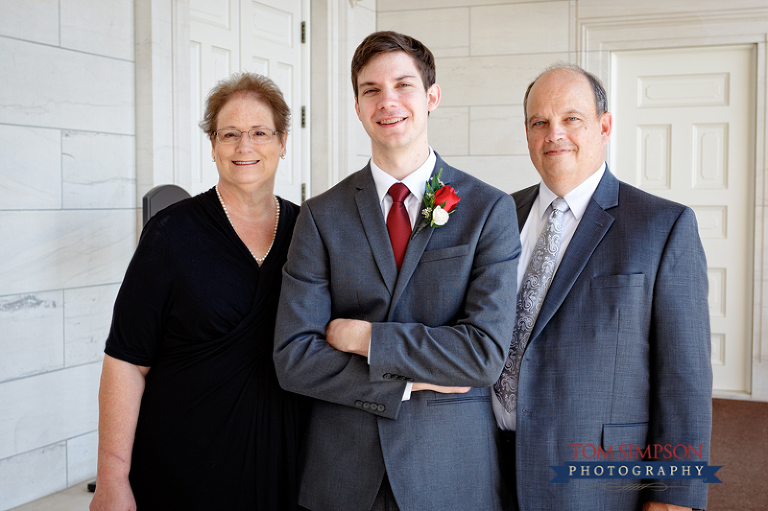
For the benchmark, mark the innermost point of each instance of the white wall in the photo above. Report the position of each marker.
(68, 228)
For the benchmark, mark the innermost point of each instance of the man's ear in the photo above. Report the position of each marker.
(606, 126)
(433, 97)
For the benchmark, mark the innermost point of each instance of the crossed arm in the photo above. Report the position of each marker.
(326, 357)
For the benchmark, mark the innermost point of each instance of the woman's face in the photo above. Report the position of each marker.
(247, 163)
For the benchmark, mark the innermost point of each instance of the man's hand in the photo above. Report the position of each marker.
(439, 388)
(658, 506)
(349, 336)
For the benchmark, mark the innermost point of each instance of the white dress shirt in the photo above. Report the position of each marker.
(577, 201)
(416, 182)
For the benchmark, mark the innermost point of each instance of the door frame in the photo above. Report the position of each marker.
(598, 38)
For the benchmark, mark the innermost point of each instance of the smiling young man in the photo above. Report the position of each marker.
(617, 349)
(395, 321)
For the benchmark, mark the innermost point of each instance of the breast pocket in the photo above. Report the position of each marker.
(444, 253)
(613, 281)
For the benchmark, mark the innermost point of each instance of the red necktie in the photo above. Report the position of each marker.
(398, 222)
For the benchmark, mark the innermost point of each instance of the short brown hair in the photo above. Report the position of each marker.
(244, 84)
(384, 42)
(601, 98)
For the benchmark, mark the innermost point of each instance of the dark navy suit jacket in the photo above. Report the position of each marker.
(620, 353)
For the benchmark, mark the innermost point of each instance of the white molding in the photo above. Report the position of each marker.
(162, 94)
(598, 37)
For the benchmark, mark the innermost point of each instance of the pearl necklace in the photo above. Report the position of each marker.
(274, 234)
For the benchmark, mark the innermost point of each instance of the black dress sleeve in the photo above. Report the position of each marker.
(138, 316)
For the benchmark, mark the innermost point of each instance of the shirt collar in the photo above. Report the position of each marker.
(577, 199)
(416, 181)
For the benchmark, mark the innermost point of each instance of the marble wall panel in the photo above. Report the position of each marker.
(30, 176)
(64, 249)
(490, 80)
(32, 21)
(444, 31)
(48, 408)
(87, 318)
(99, 170)
(47, 86)
(518, 28)
(82, 452)
(32, 334)
(449, 131)
(407, 5)
(32, 475)
(508, 173)
(610, 8)
(103, 28)
(495, 130)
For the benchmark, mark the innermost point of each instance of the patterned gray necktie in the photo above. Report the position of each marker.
(533, 289)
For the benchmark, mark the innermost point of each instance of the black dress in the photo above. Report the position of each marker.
(215, 430)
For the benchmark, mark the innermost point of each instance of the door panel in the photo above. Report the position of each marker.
(257, 36)
(684, 129)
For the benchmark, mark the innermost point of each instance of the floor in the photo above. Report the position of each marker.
(74, 498)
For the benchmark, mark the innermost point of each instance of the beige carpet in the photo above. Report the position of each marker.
(740, 445)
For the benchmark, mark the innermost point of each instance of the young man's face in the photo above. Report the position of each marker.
(393, 105)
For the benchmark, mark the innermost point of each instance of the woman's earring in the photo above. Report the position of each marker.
(282, 156)
(213, 159)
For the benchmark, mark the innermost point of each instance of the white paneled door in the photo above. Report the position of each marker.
(684, 129)
(264, 37)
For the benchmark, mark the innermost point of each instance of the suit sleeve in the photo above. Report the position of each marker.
(304, 361)
(471, 352)
(680, 364)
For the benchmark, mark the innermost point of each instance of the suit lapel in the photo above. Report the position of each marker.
(375, 228)
(591, 230)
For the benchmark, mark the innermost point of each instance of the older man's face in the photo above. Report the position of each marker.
(566, 138)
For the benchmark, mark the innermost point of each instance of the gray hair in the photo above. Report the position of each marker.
(601, 98)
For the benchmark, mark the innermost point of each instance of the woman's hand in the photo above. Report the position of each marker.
(113, 496)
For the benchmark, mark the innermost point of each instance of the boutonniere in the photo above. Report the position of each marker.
(440, 200)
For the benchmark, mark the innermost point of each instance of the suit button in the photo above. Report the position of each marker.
(380, 408)
(366, 405)
(387, 376)
(359, 404)
(409, 379)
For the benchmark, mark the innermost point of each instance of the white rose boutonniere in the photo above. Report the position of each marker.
(439, 216)
(439, 201)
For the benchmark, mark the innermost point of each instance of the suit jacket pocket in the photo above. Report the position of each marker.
(444, 253)
(473, 396)
(623, 437)
(629, 280)
(458, 400)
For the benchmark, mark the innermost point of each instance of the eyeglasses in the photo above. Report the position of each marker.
(257, 136)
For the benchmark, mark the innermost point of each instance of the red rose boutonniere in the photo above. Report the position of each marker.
(439, 201)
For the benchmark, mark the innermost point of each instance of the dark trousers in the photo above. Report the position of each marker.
(385, 499)
(507, 466)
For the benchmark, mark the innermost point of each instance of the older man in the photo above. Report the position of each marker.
(612, 342)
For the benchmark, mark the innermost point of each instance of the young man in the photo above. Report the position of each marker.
(397, 322)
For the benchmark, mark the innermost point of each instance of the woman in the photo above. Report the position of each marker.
(191, 415)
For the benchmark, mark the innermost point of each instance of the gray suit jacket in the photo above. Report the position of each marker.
(620, 353)
(445, 319)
